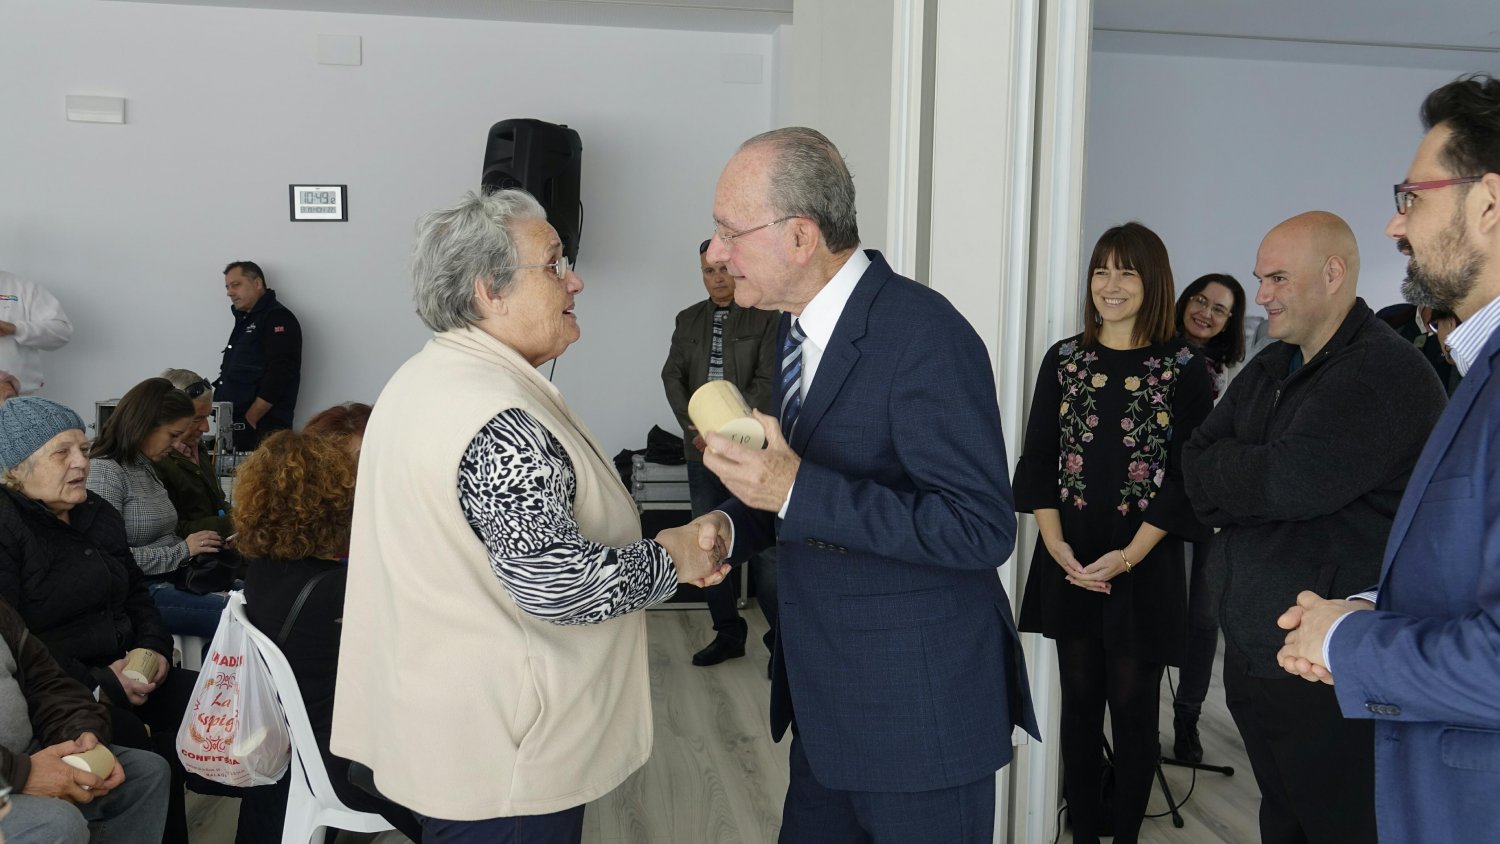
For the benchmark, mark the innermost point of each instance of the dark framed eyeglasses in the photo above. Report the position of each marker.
(198, 388)
(1217, 310)
(1406, 192)
(560, 266)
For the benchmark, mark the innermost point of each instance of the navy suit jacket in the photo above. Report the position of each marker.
(896, 646)
(1425, 665)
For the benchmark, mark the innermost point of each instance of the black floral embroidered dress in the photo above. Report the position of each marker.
(1102, 445)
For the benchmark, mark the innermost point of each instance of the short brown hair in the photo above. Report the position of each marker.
(294, 498)
(341, 420)
(1135, 247)
(145, 407)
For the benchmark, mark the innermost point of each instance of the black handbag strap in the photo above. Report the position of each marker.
(291, 618)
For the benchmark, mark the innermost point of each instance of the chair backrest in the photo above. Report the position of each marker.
(304, 743)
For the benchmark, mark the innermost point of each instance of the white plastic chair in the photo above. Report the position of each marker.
(311, 805)
(190, 649)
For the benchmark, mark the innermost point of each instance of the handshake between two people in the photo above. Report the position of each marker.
(698, 549)
(762, 478)
(1308, 622)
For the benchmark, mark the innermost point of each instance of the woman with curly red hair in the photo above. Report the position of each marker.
(294, 498)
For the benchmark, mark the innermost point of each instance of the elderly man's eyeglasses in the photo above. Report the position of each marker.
(1217, 310)
(726, 237)
(198, 388)
(560, 266)
(1406, 192)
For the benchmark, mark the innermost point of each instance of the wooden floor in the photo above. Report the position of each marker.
(715, 777)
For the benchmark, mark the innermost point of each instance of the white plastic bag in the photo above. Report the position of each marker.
(234, 731)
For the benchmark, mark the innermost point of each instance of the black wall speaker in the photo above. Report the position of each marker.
(545, 160)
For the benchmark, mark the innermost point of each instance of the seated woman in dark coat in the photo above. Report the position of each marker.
(187, 470)
(66, 567)
(294, 498)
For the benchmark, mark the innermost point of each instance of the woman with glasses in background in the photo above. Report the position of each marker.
(1211, 317)
(1100, 470)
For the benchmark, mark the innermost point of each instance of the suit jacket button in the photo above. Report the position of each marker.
(1393, 710)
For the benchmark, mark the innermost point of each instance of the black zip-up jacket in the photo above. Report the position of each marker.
(263, 359)
(60, 709)
(1303, 472)
(77, 586)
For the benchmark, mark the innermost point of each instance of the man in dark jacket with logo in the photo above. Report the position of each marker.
(262, 366)
(1302, 466)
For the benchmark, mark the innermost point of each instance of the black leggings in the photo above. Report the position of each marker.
(1092, 677)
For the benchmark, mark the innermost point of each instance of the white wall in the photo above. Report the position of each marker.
(131, 225)
(834, 75)
(1211, 153)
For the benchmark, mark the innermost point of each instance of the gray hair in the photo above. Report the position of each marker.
(457, 245)
(809, 179)
(15, 476)
(184, 378)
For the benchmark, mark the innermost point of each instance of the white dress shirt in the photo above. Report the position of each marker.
(817, 320)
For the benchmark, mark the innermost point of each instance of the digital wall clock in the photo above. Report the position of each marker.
(319, 203)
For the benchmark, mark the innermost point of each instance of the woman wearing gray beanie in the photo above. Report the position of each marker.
(66, 568)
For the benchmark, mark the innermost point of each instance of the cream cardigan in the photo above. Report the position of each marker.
(465, 707)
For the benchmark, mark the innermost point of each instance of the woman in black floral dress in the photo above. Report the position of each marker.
(1100, 471)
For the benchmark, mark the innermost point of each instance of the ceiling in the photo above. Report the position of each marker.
(696, 15)
(1459, 34)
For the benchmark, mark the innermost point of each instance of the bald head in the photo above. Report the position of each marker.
(1322, 235)
(1308, 268)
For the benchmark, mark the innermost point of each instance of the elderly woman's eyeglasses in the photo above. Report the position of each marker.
(560, 266)
(726, 236)
(1406, 192)
(1217, 310)
(198, 388)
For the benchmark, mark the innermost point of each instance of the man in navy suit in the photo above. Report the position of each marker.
(896, 664)
(1422, 657)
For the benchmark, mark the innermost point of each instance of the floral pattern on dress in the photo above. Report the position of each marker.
(1078, 419)
(1146, 426)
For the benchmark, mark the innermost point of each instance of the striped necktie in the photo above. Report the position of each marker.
(791, 377)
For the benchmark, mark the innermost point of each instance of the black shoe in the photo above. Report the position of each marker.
(1187, 747)
(720, 649)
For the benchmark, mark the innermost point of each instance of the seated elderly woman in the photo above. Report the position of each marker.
(187, 471)
(66, 568)
(496, 566)
(147, 422)
(296, 494)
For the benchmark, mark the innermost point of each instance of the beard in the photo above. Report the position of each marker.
(1443, 289)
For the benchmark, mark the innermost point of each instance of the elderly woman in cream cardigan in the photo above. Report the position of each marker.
(493, 673)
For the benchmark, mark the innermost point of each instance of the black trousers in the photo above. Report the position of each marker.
(1091, 679)
(816, 814)
(1315, 768)
(1202, 640)
(153, 726)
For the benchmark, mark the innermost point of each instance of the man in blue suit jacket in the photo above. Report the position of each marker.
(1425, 663)
(896, 664)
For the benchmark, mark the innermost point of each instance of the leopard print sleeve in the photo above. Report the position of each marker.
(516, 486)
